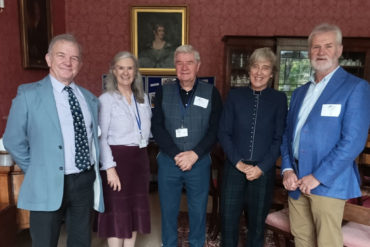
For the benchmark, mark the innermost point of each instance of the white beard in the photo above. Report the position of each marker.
(322, 66)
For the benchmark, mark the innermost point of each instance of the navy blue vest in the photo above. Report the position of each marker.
(196, 118)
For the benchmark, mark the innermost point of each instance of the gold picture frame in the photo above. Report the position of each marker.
(156, 31)
(36, 32)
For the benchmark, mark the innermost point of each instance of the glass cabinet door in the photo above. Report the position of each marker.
(353, 62)
(237, 52)
(238, 74)
(294, 70)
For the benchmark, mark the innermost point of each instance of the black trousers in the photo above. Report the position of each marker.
(238, 195)
(76, 211)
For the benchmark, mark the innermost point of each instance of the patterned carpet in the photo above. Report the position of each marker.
(183, 232)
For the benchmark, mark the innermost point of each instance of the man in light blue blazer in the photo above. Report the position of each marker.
(327, 126)
(40, 135)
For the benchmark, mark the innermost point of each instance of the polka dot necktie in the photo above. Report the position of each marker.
(82, 157)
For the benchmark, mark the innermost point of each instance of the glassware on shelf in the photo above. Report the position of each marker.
(351, 62)
(238, 60)
(233, 59)
(239, 80)
(232, 81)
(241, 61)
(244, 79)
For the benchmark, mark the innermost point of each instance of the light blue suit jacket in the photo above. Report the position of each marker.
(329, 145)
(34, 139)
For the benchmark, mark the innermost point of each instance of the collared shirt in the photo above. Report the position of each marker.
(119, 126)
(186, 96)
(66, 122)
(312, 95)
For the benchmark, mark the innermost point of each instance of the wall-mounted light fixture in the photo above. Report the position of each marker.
(2, 6)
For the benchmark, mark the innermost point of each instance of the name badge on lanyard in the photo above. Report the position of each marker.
(183, 131)
(142, 142)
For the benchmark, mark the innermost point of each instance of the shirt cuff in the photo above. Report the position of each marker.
(107, 166)
(286, 169)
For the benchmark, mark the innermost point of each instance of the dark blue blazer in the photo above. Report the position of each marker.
(258, 139)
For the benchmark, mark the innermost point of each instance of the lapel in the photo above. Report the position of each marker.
(92, 103)
(333, 85)
(48, 101)
(296, 106)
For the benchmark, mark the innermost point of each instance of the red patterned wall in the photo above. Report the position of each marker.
(103, 28)
(12, 73)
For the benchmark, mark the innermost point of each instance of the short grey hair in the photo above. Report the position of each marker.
(187, 49)
(65, 37)
(136, 86)
(264, 53)
(324, 28)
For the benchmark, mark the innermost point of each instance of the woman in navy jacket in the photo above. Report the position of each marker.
(250, 132)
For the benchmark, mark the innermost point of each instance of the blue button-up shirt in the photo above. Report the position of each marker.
(66, 122)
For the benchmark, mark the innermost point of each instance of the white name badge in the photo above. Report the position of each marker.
(143, 143)
(181, 132)
(331, 110)
(202, 102)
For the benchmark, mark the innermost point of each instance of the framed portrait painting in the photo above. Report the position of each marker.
(156, 31)
(36, 33)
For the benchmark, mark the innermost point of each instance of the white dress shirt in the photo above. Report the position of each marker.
(66, 122)
(118, 124)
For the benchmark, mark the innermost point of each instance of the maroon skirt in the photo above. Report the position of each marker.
(127, 210)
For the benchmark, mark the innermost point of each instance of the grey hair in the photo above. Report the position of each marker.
(264, 53)
(136, 86)
(324, 28)
(65, 37)
(187, 49)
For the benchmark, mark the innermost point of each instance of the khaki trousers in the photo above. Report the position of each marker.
(316, 219)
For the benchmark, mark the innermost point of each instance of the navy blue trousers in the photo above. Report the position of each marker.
(171, 181)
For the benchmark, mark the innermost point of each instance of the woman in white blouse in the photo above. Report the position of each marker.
(124, 119)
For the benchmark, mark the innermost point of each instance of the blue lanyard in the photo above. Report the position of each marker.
(138, 120)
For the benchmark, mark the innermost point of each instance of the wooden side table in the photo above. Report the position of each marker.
(11, 178)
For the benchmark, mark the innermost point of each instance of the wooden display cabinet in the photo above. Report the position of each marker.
(237, 52)
(356, 56)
